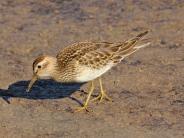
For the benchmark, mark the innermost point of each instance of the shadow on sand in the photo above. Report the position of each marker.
(42, 89)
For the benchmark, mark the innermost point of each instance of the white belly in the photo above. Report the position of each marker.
(88, 74)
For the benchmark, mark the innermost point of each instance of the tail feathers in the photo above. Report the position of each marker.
(141, 46)
(142, 34)
(131, 51)
(130, 47)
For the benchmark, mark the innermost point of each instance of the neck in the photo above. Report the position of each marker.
(53, 67)
(57, 73)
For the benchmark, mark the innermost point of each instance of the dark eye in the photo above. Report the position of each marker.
(39, 66)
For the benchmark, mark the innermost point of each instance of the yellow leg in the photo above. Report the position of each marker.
(102, 94)
(84, 107)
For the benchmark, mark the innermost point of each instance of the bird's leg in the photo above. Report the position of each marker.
(84, 107)
(102, 94)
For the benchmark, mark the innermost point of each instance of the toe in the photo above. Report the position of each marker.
(79, 109)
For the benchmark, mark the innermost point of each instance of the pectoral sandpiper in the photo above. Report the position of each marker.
(84, 62)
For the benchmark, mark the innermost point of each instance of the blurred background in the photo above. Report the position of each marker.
(147, 87)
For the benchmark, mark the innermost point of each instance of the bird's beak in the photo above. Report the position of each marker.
(33, 80)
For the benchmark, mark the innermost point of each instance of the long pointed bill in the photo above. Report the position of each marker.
(33, 80)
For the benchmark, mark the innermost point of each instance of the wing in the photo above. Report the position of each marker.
(82, 50)
(98, 54)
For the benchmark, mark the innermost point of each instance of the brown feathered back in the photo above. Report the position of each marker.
(97, 54)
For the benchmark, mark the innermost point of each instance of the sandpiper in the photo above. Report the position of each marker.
(85, 62)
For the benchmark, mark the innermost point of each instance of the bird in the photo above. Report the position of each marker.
(85, 62)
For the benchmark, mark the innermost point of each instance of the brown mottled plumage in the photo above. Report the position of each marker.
(85, 61)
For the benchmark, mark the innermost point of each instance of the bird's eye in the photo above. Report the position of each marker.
(39, 66)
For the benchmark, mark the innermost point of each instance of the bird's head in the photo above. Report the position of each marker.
(43, 68)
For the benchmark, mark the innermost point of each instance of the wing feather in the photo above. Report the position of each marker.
(97, 54)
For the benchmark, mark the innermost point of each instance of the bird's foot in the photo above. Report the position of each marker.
(83, 108)
(102, 96)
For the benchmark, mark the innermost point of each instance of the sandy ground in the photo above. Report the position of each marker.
(147, 87)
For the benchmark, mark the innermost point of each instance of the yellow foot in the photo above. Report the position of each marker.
(102, 96)
(79, 109)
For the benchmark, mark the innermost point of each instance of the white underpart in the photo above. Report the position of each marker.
(88, 74)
